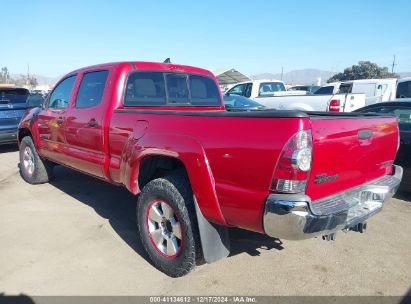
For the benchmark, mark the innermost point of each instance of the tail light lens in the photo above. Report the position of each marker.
(334, 105)
(293, 167)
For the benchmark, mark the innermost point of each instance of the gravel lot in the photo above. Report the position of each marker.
(77, 236)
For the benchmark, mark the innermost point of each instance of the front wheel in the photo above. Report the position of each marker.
(168, 226)
(33, 169)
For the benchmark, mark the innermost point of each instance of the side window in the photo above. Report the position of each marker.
(365, 88)
(248, 90)
(345, 88)
(177, 88)
(404, 89)
(60, 96)
(238, 89)
(403, 115)
(91, 89)
(145, 89)
(328, 90)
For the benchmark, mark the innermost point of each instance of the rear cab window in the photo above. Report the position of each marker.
(164, 88)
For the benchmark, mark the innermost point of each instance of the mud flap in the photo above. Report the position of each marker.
(215, 240)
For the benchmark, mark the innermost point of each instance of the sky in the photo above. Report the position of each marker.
(258, 36)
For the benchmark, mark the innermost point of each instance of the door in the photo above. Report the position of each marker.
(51, 121)
(84, 125)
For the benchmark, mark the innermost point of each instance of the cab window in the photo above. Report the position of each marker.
(60, 96)
(403, 115)
(91, 89)
(238, 89)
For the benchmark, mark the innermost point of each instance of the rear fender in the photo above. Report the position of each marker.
(190, 153)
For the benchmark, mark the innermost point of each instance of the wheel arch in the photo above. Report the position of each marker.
(153, 156)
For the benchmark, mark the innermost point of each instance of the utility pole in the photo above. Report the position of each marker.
(393, 65)
(282, 72)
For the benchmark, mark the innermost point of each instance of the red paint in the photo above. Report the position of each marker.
(230, 160)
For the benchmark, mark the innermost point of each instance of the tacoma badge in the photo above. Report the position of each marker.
(322, 178)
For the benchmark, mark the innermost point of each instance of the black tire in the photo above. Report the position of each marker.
(175, 190)
(42, 170)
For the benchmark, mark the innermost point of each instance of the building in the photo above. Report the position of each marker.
(228, 77)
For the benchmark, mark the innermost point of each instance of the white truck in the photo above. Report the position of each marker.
(344, 96)
(256, 88)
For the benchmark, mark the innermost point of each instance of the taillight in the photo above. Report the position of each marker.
(293, 167)
(334, 105)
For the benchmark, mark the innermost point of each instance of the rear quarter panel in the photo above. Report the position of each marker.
(241, 153)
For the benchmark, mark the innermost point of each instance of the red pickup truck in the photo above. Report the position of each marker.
(161, 131)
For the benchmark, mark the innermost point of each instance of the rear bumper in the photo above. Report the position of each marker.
(8, 136)
(292, 217)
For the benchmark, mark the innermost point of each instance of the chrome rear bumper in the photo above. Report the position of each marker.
(295, 217)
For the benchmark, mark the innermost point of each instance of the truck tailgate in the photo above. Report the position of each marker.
(349, 151)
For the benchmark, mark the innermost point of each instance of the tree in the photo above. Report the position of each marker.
(364, 70)
(27, 81)
(4, 75)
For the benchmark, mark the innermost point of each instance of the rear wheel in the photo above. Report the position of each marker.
(33, 169)
(168, 226)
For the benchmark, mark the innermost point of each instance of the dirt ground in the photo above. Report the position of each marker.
(77, 236)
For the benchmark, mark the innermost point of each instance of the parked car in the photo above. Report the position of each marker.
(255, 88)
(161, 131)
(237, 102)
(304, 89)
(12, 106)
(402, 110)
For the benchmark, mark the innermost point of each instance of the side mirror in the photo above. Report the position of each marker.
(35, 102)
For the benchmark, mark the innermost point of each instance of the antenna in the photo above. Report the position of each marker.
(168, 60)
(393, 65)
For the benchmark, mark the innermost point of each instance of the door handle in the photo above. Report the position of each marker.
(92, 122)
(60, 120)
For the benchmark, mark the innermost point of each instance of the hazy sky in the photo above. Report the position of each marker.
(256, 36)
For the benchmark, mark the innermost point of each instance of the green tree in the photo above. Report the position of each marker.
(364, 70)
(4, 75)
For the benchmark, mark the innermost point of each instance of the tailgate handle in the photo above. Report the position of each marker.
(364, 134)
